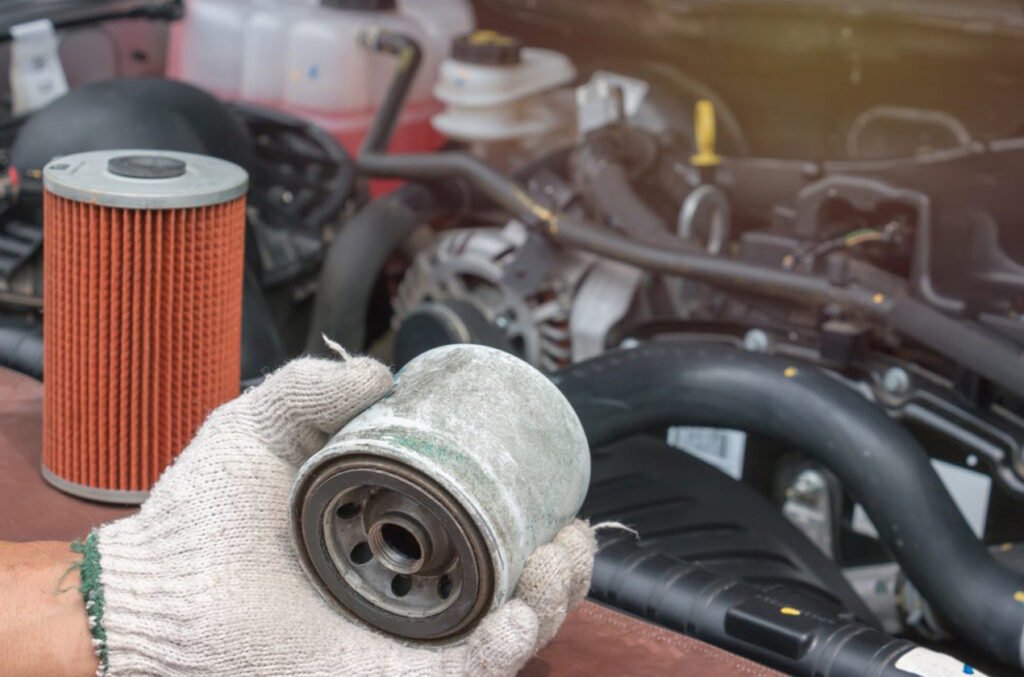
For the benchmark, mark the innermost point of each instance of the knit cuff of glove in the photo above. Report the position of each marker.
(92, 595)
(150, 585)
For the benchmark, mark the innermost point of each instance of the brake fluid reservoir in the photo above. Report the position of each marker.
(419, 515)
(495, 89)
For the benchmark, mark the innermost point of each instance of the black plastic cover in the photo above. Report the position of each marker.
(717, 562)
(361, 5)
(686, 509)
(138, 114)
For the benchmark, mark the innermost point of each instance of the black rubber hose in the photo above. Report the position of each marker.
(21, 346)
(355, 259)
(878, 462)
(613, 195)
(732, 614)
(262, 347)
(428, 167)
(409, 56)
(600, 167)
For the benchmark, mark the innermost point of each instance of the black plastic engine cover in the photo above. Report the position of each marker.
(718, 562)
(688, 510)
(143, 113)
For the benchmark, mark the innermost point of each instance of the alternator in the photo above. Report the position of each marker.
(520, 285)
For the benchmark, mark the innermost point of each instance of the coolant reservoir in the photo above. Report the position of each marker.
(303, 56)
(337, 83)
(328, 70)
(496, 90)
(206, 45)
(264, 72)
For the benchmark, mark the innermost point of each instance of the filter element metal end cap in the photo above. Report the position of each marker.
(145, 179)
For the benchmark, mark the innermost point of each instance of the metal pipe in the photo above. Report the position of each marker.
(998, 361)
(971, 348)
(584, 235)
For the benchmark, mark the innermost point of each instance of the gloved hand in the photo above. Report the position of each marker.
(204, 579)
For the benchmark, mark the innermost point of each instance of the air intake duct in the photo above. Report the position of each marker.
(143, 266)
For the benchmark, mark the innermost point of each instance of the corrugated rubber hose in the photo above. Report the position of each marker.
(878, 462)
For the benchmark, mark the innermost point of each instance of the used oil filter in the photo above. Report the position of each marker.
(142, 272)
(419, 515)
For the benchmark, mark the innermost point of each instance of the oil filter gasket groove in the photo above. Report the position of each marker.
(431, 578)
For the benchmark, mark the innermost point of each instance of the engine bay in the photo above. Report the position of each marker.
(769, 250)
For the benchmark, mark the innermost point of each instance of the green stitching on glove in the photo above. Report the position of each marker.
(92, 593)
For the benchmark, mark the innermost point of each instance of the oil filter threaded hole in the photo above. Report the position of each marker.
(361, 554)
(400, 540)
(347, 511)
(444, 587)
(397, 547)
(401, 585)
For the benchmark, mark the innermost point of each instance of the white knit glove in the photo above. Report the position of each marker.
(204, 580)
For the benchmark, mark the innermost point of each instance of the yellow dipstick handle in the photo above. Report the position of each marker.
(704, 135)
(487, 37)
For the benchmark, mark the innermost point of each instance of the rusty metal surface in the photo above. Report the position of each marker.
(30, 509)
(594, 640)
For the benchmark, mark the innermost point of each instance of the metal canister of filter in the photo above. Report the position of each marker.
(419, 515)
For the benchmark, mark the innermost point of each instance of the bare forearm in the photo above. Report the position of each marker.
(43, 625)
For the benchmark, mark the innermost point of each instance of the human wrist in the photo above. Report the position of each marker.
(43, 625)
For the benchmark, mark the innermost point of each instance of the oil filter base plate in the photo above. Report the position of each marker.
(395, 549)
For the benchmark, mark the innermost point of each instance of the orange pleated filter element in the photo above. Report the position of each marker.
(142, 312)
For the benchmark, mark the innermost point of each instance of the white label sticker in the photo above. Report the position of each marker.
(970, 491)
(929, 663)
(719, 447)
(861, 523)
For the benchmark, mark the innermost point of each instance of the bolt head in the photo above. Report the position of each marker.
(896, 381)
(757, 341)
